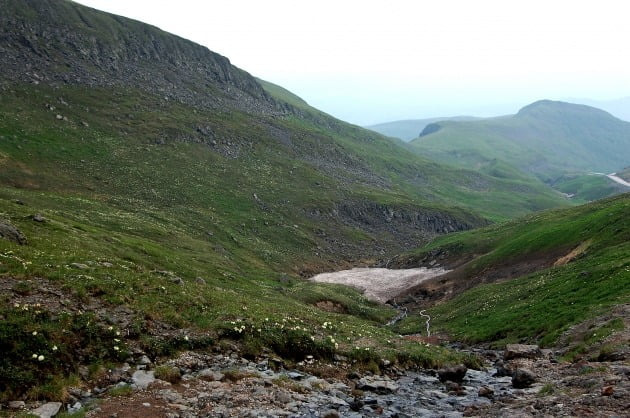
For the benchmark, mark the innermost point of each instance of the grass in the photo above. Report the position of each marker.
(588, 187)
(167, 373)
(546, 139)
(538, 307)
(120, 391)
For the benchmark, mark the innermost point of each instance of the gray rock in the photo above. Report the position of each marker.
(16, 405)
(144, 360)
(79, 266)
(11, 233)
(211, 375)
(376, 384)
(142, 379)
(47, 410)
(283, 397)
(513, 351)
(38, 218)
(75, 408)
(295, 375)
(523, 378)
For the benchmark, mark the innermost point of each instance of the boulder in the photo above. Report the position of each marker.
(142, 379)
(454, 374)
(523, 378)
(17, 405)
(376, 384)
(513, 351)
(11, 233)
(47, 410)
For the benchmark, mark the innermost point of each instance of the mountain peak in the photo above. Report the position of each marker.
(547, 107)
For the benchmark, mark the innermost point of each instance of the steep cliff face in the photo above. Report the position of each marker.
(56, 41)
(405, 225)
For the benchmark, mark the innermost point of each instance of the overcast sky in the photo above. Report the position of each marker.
(374, 61)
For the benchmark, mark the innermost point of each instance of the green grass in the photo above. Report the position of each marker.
(545, 138)
(540, 306)
(588, 187)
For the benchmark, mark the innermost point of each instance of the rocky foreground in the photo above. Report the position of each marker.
(523, 381)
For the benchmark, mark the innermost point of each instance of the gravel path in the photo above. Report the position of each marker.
(380, 284)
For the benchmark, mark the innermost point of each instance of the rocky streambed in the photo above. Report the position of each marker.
(522, 381)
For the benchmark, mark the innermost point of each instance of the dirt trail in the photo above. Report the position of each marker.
(380, 284)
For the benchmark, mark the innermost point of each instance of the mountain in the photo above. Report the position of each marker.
(158, 192)
(619, 108)
(546, 139)
(532, 279)
(410, 128)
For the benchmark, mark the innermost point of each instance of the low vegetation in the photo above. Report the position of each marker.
(591, 274)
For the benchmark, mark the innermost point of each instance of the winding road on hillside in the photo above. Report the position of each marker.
(619, 180)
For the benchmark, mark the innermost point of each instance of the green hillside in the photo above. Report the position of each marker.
(546, 139)
(564, 267)
(165, 194)
(409, 129)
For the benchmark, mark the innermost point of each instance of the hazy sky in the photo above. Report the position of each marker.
(373, 61)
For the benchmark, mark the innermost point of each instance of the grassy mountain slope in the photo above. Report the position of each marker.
(410, 128)
(170, 196)
(545, 139)
(564, 267)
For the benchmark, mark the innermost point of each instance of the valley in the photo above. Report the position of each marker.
(179, 238)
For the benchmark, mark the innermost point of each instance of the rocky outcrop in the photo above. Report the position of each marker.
(513, 351)
(62, 42)
(11, 233)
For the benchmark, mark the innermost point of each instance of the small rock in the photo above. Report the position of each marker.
(75, 408)
(47, 410)
(211, 375)
(608, 391)
(453, 387)
(283, 397)
(295, 375)
(59, 117)
(486, 392)
(523, 378)
(331, 414)
(200, 280)
(513, 351)
(147, 404)
(377, 385)
(79, 266)
(144, 360)
(454, 374)
(38, 218)
(177, 280)
(16, 405)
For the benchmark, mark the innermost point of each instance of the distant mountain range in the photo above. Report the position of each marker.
(409, 129)
(546, 139)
